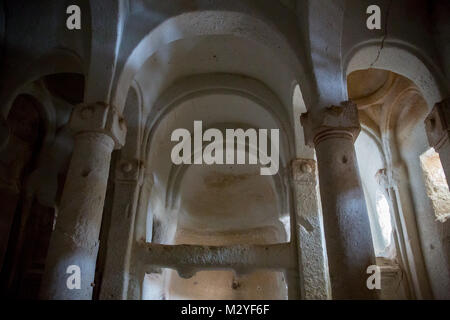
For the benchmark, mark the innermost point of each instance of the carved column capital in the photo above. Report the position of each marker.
(342, 121)
(437, 124)
(99, 117)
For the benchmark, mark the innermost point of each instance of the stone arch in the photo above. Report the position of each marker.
(195, 27)
(245, 88)
(193, 88)
(177, 173)
(403, 60)
(198, 24)
(23, 207)
(392, 117)
(54, 112)
(406, 99)
(56, 61)
(48, 112)
(206, 84)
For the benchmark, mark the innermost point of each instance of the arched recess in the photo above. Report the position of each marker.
(404, 140)
(38, 170)
(220, 101)
(371, 160)
(368, 89)
(226, 84)
(395, 110)
(244, 90)
(200, 57)
(259, 35)
(54, 62)
(403, 60)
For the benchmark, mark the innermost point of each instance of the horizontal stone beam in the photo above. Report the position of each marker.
(189, 259)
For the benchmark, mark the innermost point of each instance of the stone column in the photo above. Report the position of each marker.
(313, 263)
(437, 126)
(98, 129)
(346, 222)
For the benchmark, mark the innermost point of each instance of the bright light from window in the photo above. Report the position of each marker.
(384, 218)
(286, 221)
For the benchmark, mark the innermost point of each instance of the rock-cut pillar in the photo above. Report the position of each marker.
(346, 223)
(98, 130)
(313, 264)
(437, 126)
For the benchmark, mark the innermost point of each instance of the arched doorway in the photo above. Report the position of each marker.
(33, 166)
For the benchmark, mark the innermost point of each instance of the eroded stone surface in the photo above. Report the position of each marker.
(313, 262)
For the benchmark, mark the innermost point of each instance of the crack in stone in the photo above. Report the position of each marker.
(385, 35)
